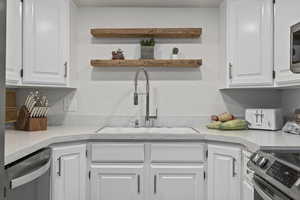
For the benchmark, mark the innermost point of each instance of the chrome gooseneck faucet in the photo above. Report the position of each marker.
(136, 95)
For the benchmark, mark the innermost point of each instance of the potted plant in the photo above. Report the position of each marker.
(147, 49)
(175, 53)
(118, 55)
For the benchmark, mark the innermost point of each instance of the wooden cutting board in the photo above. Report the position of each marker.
(11, 112)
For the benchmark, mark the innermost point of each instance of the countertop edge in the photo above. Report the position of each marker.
(88, 136)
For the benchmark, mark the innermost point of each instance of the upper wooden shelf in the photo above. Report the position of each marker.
(147, 33)
(192, 63)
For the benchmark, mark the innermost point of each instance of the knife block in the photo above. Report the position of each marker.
(27, 123)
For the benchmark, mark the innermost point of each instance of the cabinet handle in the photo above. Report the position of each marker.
(59, 166)
(230, 70)
(233, 167)
(66, 69)
(155, 184)
(139, 184)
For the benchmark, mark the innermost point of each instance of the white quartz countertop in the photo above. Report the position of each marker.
(20, 143)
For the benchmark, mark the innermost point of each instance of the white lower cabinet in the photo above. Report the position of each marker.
(153, 173)
(156, 171)
(224, 172)
(115, 182)
(69, 173)
(177, 182)
(248, 191)
(247, 186)
(129, 182)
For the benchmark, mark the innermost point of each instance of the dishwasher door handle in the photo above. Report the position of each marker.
(14, 183)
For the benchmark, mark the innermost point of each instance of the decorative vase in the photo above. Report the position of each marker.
(147, 52)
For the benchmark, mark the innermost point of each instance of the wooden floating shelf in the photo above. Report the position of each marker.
(147, 33)
(188, 63)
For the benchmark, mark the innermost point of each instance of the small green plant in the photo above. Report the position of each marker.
(175, 51)
(149, 43)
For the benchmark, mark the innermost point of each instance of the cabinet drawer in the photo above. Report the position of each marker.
(166, 152)
(121, 152)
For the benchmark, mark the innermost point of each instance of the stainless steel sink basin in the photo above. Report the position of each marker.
(144, 130)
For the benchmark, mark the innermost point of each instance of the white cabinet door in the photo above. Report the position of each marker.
(13, 41)
(115, 182)
(248, 191)
(286, 14)
(45, 50)
(177, 182)
(224, 173)
(250, 42)
(69, 174)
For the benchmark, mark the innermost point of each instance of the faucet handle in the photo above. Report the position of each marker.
(151, 119)
(136, 123)
(154, 116)
(136, 99)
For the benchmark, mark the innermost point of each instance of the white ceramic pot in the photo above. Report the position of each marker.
(174, 56)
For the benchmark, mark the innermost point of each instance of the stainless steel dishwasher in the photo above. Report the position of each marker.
(29, 178)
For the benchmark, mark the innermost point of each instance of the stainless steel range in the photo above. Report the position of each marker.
(276, 174)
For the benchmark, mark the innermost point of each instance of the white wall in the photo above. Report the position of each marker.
(290, 101)
(108, 92)
(180, 92)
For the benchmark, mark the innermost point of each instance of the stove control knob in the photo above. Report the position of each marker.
(263, 162)
(256, 158)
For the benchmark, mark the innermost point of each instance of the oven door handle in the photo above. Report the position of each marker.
(261, 193)
(14, 183)
(271, 193)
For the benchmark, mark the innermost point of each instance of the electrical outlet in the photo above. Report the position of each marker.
(70, 103)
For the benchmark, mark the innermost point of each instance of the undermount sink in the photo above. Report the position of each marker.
(144, 130)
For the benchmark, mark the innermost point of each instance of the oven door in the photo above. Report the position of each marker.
(265, 191)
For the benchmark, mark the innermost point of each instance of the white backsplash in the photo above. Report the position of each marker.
(125, 121)
(182, 96)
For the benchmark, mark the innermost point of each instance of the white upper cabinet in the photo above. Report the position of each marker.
(286, 14)
(13, 42)
(45, 41)
(249, 46)
(224, 173)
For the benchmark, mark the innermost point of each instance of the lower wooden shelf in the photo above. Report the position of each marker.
(188, 63)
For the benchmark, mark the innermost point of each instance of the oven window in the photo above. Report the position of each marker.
(296, 47)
